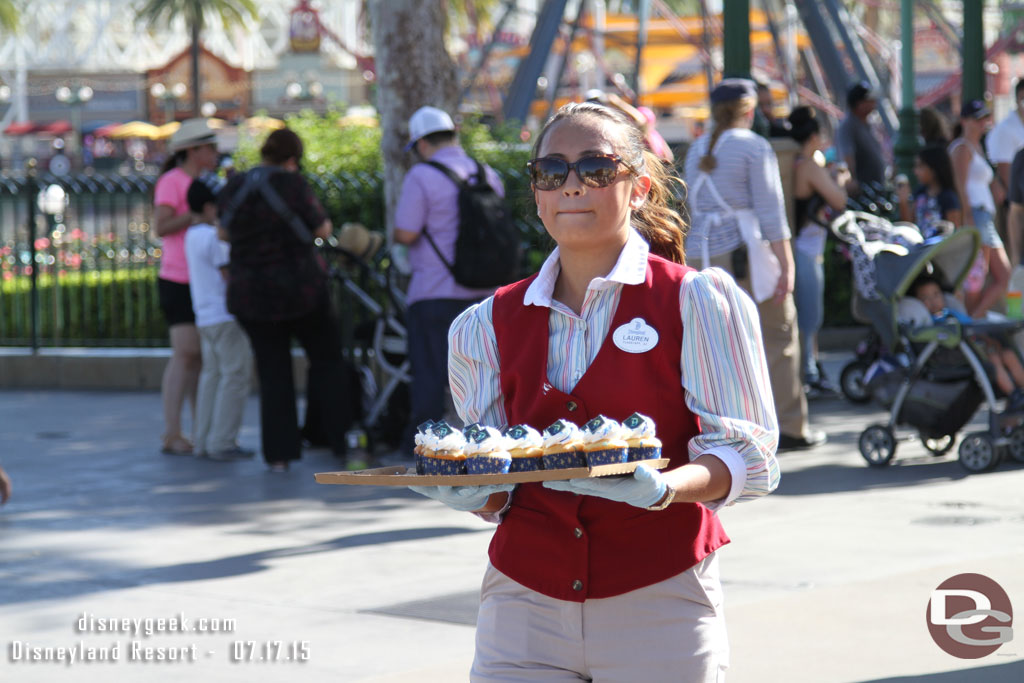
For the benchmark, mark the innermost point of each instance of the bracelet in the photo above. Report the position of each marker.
(670, 495)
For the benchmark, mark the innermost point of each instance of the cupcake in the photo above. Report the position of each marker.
(486, 450)
(525, 448)
(417, 450)
(444, 450)
(639, 434)
(603, 442)
(563, 446)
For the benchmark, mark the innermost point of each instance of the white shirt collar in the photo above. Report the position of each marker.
(629, 269)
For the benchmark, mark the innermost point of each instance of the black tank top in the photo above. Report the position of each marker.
(807, 207)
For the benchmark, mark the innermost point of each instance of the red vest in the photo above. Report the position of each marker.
(574, 547)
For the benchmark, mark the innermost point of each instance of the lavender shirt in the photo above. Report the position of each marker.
(429, 198)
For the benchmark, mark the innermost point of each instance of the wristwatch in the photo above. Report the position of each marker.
(670, 495)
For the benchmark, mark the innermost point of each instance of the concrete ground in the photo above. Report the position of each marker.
(826, 580)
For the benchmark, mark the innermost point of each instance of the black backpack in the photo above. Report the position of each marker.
(488, 248)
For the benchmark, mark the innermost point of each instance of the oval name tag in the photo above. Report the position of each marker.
(636, 336)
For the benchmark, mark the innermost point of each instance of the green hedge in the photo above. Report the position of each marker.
(97, 308)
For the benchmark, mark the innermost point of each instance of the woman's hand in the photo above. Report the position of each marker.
(646, 487)
(998, 191)
(462, 498)
(785, 285)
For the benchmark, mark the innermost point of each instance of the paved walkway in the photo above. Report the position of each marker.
(826, 580)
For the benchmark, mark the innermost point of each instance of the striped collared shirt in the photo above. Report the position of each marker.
(747, 177)
(722, 362)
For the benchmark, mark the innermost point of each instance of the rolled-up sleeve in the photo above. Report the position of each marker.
(725, 375)
(474, 366)
(766, 192)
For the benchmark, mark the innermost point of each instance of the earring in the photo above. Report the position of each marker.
(538, 211)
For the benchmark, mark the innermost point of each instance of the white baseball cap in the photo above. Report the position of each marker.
(425, 121)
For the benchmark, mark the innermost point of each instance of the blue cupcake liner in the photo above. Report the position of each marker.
(564, 460)
(443, 466)
(644, 453)
(608, 456)
(486, 464)
(527, 464)
(420, 467)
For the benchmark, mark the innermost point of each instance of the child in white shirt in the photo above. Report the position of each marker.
(227, 358)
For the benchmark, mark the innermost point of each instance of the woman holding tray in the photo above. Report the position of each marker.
(612, 578)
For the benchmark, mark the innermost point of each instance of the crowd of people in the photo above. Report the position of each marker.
(969, 174)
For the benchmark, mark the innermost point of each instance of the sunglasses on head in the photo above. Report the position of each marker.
(595, 170)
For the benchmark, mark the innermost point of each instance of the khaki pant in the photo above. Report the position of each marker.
(224, 384)
(671, 631)
(782, 352)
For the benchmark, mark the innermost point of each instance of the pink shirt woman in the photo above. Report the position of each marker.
(193, 151)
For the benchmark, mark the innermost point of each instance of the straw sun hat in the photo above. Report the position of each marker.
(193, 133)
(357, 239)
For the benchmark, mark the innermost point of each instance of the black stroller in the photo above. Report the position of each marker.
(932, 377)
(865, 235)
(371, 303)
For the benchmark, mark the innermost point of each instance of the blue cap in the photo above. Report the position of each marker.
(732, 89)
(975, 109)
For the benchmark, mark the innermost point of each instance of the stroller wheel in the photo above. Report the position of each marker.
(878, 445)
(851, 381)
(1016, 447)
(978, 453)
(940, 445)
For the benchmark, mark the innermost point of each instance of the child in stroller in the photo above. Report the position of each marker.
(1006, 364)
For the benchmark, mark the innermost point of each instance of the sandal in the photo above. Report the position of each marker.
(176, 445)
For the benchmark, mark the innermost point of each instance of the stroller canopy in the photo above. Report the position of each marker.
(949, 259)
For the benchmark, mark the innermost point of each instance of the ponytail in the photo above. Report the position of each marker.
(659, 223)
(724, 115)
(173, 161)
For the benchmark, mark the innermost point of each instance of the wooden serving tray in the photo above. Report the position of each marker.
(406, 476)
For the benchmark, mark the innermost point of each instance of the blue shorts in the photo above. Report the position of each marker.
(987, 227)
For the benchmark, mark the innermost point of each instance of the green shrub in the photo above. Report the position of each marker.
(92, 308)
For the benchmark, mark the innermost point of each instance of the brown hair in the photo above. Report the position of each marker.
(725, 115)
(173, 161)
(280, 146)
(659, 223)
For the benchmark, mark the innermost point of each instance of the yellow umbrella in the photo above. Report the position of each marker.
(136, 129)
(167, 130)
(260, 124)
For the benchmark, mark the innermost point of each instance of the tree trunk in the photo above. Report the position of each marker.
(413, 69)
(195, 69)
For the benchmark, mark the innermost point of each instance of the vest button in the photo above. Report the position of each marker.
(577, 585)
(578, 532)
(571, 405)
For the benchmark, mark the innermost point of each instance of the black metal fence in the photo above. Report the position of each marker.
(79, 256)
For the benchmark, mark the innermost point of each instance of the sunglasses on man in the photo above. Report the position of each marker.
(594, 170)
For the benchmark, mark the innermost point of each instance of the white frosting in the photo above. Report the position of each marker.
(609, 430)
(494, 442)
(568, 434)
(454, 441)
(530, 437)
(644, 430)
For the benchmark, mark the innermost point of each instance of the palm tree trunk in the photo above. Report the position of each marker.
(195, 69)
(413, 69)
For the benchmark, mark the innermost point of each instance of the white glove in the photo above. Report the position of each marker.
(462, 498)
(645, 488)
